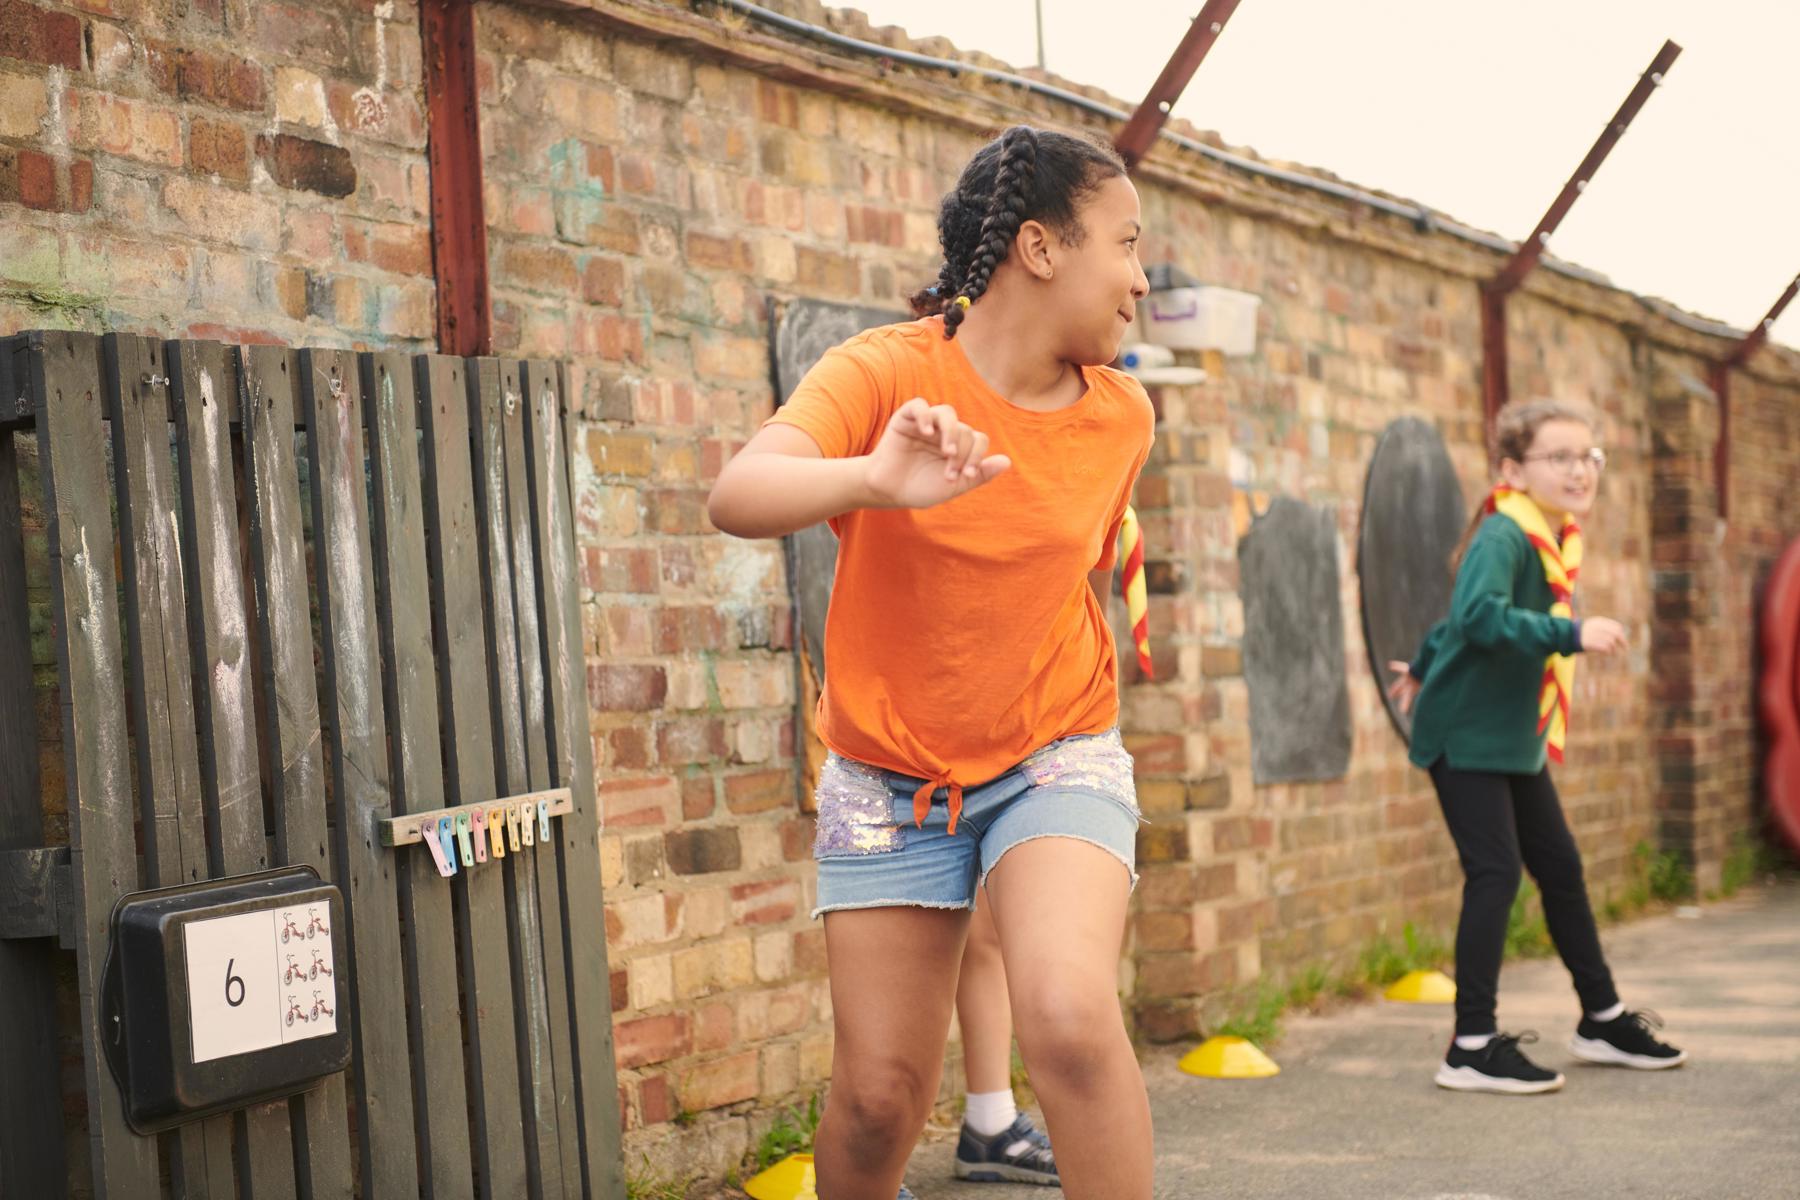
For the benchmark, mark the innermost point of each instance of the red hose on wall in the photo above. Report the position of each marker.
(1778, 694)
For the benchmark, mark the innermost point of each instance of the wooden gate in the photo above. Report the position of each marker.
(293, 593)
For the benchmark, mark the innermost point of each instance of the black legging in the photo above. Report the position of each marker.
(1497, 822)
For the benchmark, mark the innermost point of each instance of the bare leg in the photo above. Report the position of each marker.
(893, 984)
(983, 1010)
(1059, 905)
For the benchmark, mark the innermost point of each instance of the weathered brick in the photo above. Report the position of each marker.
(1212, 792)
(603, 281)
(656, 1100)
(538, 268)
(27, 177)
(210, 75)
(699, 797)
(759, 791)
(638, 802)
(300, 98)
(305, 34)
(38, 35)
(1221, 660)
(685, 740)
(828, 273)
(652, 1039)
(713, 967)
(767, 903)
(306, 165)
(219, 148)
(644, 863)
(627, 749)
(621, 990)
(702, 851)
(23, 101)
(620, 453)
(626, 687)
(716, 1084)
(1162, 841)
(128, 128)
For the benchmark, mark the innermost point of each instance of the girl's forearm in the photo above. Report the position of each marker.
(770, 495)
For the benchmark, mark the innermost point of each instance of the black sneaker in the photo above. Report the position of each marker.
(1625, 1041)
(995, 1160)
(1499, 1066)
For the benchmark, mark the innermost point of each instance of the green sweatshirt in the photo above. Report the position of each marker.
(1483, 665)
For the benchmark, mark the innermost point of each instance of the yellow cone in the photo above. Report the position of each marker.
(789, 1179)
(1422, 987)
(1228, 1058)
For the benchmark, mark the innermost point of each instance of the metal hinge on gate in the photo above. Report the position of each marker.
(37, 897)
(464, 833)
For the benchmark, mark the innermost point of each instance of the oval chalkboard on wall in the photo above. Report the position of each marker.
(1413, 513)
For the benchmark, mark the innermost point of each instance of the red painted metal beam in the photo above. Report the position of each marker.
(453, 154)
(1139, 134)
(1721, 386)
(1494, 293)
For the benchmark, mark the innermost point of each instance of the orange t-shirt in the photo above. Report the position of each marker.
(963, 637)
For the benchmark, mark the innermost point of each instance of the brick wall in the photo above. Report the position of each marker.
(255, 171)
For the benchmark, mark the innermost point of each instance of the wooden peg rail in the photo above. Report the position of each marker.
(404, 831)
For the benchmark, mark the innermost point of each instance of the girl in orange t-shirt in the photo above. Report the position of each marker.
(975, 465)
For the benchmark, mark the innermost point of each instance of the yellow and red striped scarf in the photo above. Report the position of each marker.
(1137, 599)
(1562, 564)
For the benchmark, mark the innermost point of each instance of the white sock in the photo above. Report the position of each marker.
(1609, 1014)
(989, 1113)
(1473, 1041)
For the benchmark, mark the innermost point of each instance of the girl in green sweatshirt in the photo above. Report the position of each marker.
(1492, 684)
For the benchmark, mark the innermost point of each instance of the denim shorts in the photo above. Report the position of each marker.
(871, 854)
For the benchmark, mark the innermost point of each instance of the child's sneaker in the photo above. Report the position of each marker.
(1499, 1066)
(1020, 1153)
(1625, 1041)
(905, 1193)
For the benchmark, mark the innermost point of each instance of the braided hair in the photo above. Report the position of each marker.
(1025, 174)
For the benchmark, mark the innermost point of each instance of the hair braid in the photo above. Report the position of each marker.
(1006, 211)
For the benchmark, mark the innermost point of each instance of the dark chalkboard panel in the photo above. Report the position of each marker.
(803, 331)
(1413, 514)
(1294, 645)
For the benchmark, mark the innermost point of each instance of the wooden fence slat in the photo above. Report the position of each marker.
(168, 768)
(476, 892)
(31, 1153)
(64, 375)
(291, 708)
(506, 716)
(206, 381)
(455, 1156)
(389, 1144)
(548, 893)
(459, 631)
(572, 761)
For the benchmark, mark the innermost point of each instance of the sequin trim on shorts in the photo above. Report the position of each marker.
(856, 811)
(1088, 763)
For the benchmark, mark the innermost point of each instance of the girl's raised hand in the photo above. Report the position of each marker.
(927, 456)
(1405, 688)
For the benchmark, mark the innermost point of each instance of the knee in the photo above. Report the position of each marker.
(1500, 875)
(882, 1105)
(1558, 872)
(1069, 1038)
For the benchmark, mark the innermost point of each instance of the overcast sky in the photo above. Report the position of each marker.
(1482, 109)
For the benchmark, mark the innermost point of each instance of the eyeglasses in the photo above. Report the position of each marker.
(1567, 460)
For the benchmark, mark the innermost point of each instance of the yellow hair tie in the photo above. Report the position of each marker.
(963, 302)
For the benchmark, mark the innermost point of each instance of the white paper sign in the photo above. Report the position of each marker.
(260, 979)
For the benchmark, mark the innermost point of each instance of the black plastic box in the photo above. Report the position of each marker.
(222, 994)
